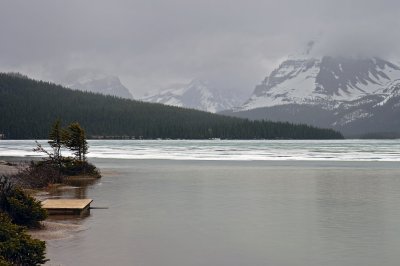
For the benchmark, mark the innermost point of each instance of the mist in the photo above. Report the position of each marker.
(153, 44)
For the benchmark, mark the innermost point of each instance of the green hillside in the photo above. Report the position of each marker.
(28, 108)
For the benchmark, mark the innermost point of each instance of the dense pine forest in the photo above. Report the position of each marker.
(29, 107)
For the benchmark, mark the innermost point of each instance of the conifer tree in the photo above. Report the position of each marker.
(56, 140)
(74, 138)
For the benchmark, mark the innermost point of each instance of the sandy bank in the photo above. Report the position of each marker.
(55, 230)
(7, 168)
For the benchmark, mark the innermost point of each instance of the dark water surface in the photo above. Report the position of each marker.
(172, 213)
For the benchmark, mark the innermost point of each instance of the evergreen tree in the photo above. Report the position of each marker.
(17, 247)
(74, 139)
(56, 140)
(23, 209)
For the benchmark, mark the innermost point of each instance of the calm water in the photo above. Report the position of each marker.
(210, 212)
(238, 213)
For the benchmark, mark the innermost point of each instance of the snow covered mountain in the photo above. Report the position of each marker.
(198, 94)
(348, 94)
(323, 82)
(95, 81)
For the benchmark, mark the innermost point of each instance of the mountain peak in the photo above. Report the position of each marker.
(322, 80)
(199, 83)
(197, 94)
(356, 95)
(96, 81)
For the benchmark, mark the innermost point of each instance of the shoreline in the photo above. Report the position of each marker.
(55, 230)
(50, 229)
(8, 169)
(27, 159)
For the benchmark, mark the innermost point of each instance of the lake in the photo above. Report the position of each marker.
(236, 203)
(237, 150)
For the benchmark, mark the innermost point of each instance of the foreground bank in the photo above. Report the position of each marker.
(20, 209)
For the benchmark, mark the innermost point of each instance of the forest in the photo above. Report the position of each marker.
(28, 108)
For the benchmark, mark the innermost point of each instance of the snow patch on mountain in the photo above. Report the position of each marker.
(97, 82)
(198, 94)
(352, 116)
(392, 91)
(324, 81)
(351, 94)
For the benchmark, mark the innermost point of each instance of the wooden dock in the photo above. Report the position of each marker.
(67, 206)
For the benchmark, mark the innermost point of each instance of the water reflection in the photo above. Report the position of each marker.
(352, 215)
(237, 213)
(75, 188)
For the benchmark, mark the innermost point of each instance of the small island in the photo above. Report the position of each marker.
(20, 210)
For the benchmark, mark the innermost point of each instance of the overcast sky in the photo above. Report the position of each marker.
(151, 44)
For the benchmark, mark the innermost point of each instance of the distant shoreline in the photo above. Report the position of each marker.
(276, 163)
(95, 160)
(110, 164)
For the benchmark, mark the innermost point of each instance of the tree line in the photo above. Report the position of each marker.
(27, 108)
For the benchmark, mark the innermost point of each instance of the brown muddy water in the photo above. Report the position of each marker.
(173, 213)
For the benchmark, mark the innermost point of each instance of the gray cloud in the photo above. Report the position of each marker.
(151, 44)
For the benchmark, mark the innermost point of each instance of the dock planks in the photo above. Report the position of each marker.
(67, 206)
